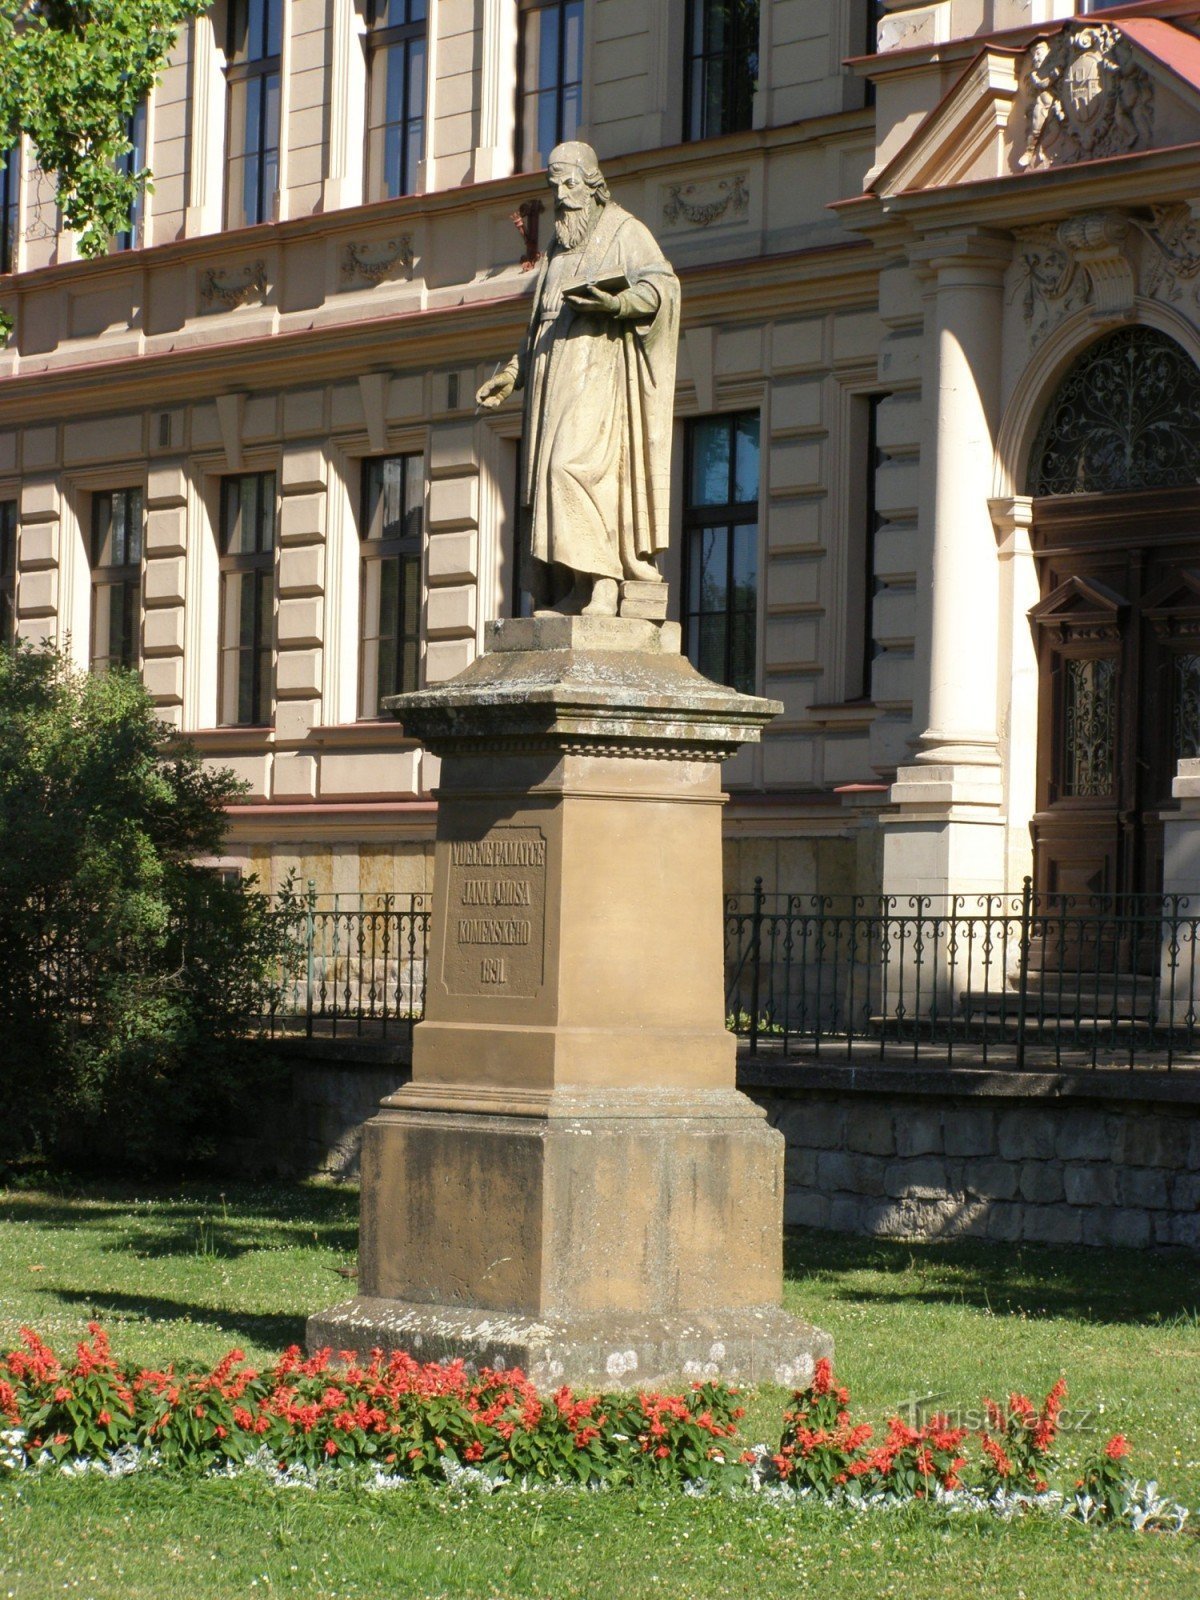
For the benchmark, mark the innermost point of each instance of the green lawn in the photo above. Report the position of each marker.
(184, 1274)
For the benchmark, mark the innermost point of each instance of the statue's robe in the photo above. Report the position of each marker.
(599, 408)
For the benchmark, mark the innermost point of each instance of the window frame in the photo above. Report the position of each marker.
(10, 211)
(407, 548)
(728, 516)
(9, 526)
(692, 58)
(381, 41)
(560, 85)
(242, 68)
(124, 577)
(261, 562)
(137, 130)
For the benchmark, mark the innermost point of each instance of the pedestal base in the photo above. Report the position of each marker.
(613, 1350)
(571, 1183)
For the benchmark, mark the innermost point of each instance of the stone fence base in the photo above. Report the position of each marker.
(1093, 1158)
(1097, 1158)
(312, 1125)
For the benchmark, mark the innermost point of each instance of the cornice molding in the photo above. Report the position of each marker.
(753, 289)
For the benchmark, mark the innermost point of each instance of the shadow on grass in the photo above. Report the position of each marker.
(1032, 1281)
(274, 1329)
(281, 1214)
(197, 1234)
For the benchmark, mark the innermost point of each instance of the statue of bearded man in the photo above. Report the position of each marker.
(598, 368)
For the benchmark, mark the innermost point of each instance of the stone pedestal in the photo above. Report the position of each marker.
(571, 1183)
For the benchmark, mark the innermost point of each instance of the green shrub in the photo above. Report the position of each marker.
(129, 979)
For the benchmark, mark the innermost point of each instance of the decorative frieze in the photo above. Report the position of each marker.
(699, 205)
(1101, 261)
(1087, 97)
(224, 288)
(377, 259)
(1172, 266)
(1045, 280)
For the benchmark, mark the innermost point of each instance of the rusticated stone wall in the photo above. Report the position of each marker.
(1099, 1158)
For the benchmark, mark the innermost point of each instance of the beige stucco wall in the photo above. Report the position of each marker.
(342, 331)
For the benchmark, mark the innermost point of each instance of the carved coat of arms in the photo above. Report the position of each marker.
(1086, 96)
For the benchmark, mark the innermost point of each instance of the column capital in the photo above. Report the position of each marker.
(962, 247)
(1012, 518)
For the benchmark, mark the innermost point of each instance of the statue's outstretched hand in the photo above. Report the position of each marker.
(495, 391)
(593, 299)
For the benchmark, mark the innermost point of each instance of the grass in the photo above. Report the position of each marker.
(184, 1274)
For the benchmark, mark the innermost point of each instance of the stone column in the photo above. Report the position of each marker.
(571, 1183)
(948, 835)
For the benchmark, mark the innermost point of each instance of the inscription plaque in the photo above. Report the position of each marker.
(494, 941)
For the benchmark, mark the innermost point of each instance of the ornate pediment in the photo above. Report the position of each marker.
(1081, 610)
(1087, 91)
(1172, 608)
(1086, 96)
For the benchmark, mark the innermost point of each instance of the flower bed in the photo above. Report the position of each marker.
(401, 1421)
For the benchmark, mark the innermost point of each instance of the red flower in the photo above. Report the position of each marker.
(103, 1418)
(1117, 1447)
(331, 1448)
(62, 1393)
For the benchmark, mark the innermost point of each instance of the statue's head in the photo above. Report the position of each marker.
(573, 172)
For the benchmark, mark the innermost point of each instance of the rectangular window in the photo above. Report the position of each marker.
(722, 67)
(861, 583)
(132, 162)
(247, 671)
(10, 196)
(396, 114)
(255, 41)
(550, 71)
(876, 11)
(116, 579)
(392, 521)
(521, 599)
(720, 548)
(8, 571)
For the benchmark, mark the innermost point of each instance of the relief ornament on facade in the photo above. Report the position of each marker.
(225, 288)
(1173, 262)
(1101, 260)
(701, 204)
(372, 263)
(1088, 98)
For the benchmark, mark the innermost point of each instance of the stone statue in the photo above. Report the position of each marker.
(598, 369)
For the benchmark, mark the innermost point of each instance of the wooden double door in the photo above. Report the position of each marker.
(1118, 643)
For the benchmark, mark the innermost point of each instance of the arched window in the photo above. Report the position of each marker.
(1126, 416)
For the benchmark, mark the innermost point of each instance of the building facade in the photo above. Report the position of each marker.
(931, 254)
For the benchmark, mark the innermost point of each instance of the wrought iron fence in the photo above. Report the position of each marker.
(1016, 981)
(356, 965)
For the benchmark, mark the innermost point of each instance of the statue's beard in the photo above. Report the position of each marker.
(572, 225)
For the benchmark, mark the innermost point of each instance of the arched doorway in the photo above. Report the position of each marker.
(1114, 473)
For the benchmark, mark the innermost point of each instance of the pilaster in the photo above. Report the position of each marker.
(493, 156)
(452, 524)
(206, 170)
(299, 624)
(165, 588)
(948, 835)
(39, 554)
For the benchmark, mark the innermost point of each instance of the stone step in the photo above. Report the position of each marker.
(1104, 1000)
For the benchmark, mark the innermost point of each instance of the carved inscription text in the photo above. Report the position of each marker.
(495, 913)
